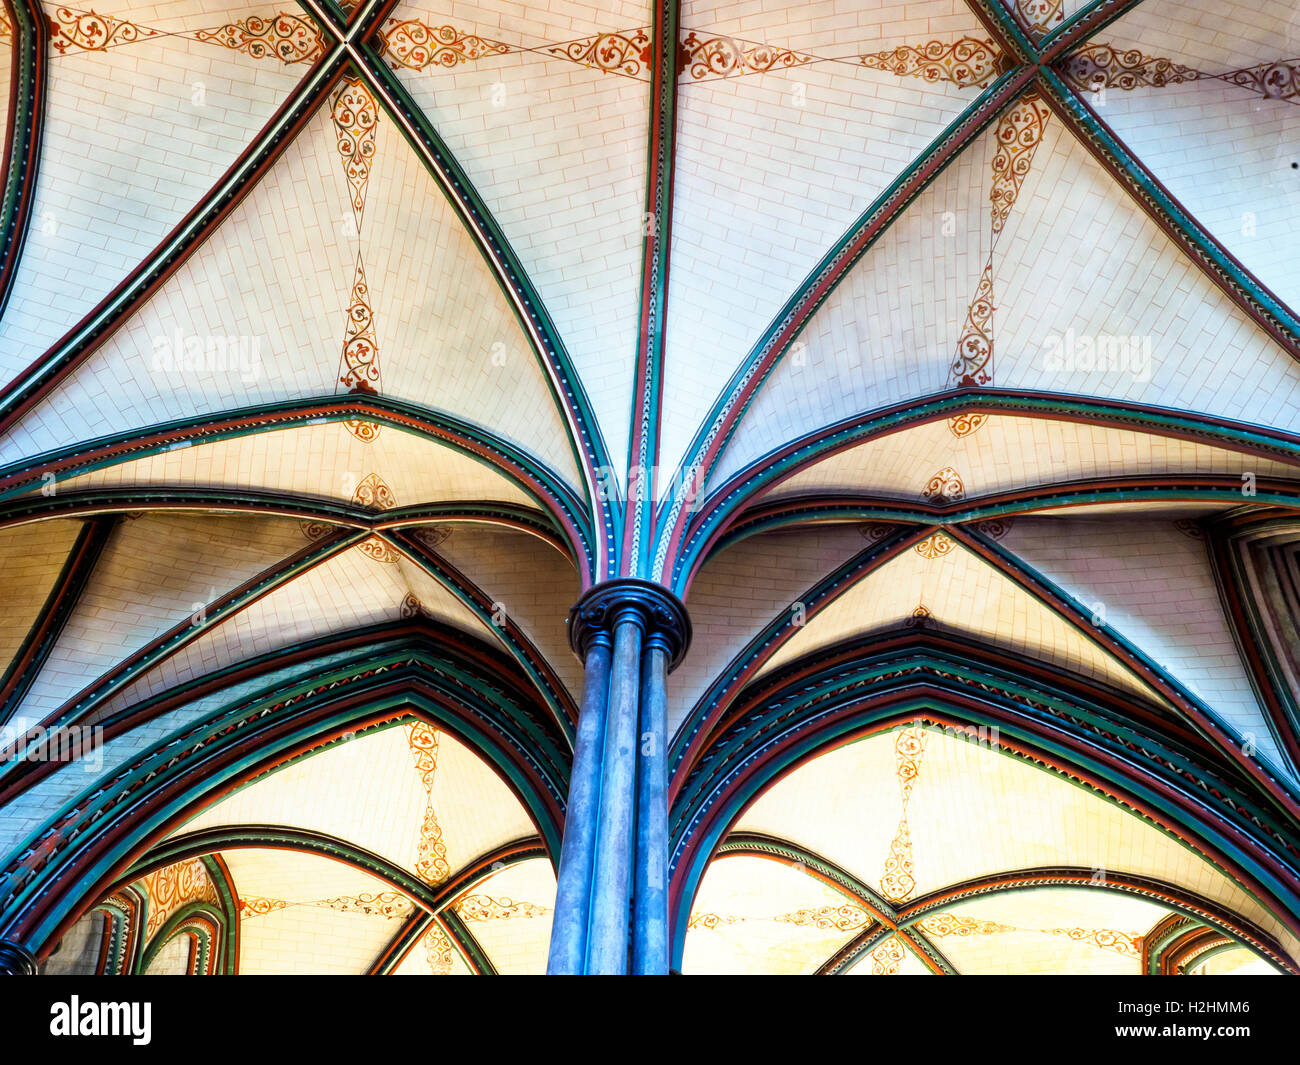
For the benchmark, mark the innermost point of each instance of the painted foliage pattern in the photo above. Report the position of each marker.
(898, 886)
(168, 889)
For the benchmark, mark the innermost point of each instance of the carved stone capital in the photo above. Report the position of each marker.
(16, 960)
(661, 615)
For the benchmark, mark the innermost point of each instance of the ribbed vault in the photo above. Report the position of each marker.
(941, 357)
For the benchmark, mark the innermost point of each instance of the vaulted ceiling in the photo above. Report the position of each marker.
(342, 348)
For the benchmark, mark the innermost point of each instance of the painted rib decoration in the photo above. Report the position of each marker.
(360, 361)
(966, 62)
(1128, 944)
(1102, 66)
(712, 56)
(1018, 134)
(417, 45)
(174, 886)
(1098, 66)
(390, 905)
(898, 881)
(888, 955)
(355, 115)
(487, 908)
(438, 951)
(944, 487)
(1036, 17)
(372, 493)
(625, 53)
(85, 31)
(431, 864)
(284, 36)
(414, 44)
(936, 545)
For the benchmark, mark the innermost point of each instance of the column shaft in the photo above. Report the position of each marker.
(611, 911)
(578, 852)
(650, 891)
(607, 934)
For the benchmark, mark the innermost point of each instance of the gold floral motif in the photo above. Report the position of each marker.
(721, 57)
(874, 532)
(391, 905)
(363, 430)
(951, 924)
(377, 549)
(432, 536)
(1102, 66)
(360, 361)
(909, 746)
(431, 864)
(355, 115)
(315, 530)
(1018, 133)
(87, 31)
(417, 45)
(944, 487)
(171, 887)
(487, 908)
(712, 920)
(373, 493)
(1276, 81)
(286, 37)
(422, 740)
(438, 950)
(936, 545)
(965, 62)
(612, 53)
(411, 607)
(846, 918)
(965, 424)
(431, 858)
(919, 617)
(1126, 943)
(259, 907)
(974, 362)
(1037, 16)
(887, 957)
(994, 528)
(898, 882)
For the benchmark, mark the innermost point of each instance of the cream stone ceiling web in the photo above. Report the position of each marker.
(942, 354)
(806, 882)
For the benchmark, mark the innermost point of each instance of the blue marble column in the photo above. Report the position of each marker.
(578, 855)
(611, 904)
(650, 911)
(611, 896)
